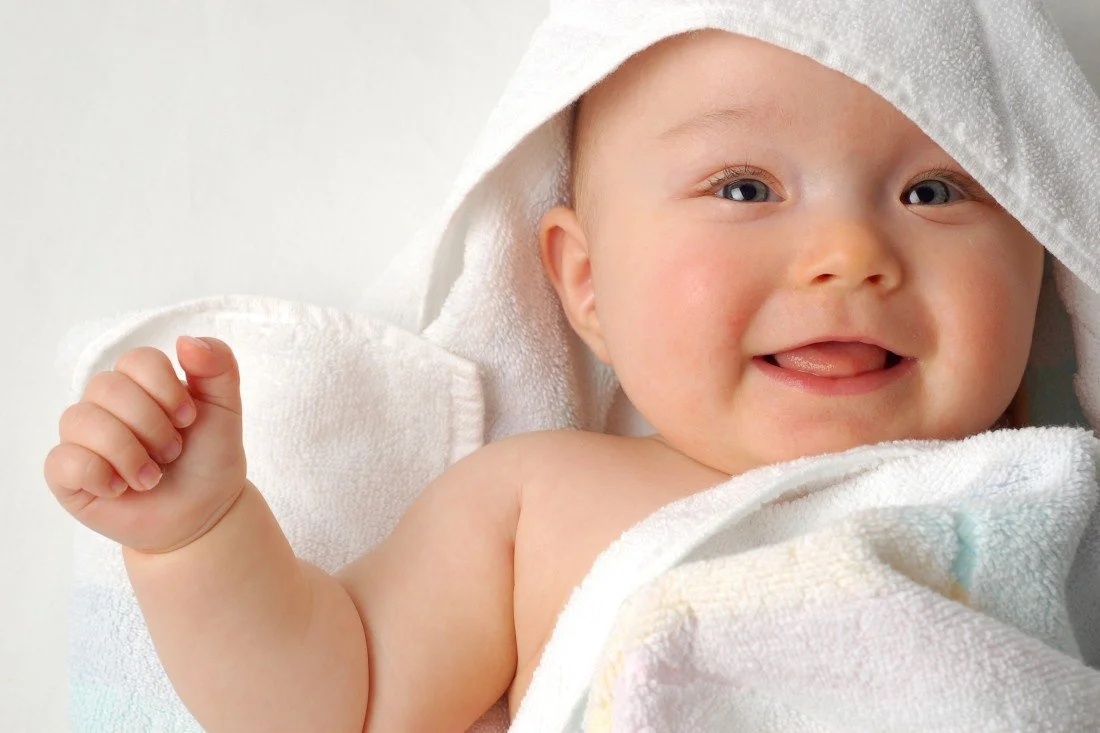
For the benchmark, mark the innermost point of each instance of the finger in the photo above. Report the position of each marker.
(152, 370)
(76, 475)
(116, 393)
(90, 426)
(212, 372)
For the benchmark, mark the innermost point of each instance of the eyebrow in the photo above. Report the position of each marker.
(717, 119)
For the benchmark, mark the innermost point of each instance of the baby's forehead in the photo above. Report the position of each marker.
(689, 74)
(716, 82)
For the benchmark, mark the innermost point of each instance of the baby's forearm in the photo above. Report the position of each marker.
(253, 638)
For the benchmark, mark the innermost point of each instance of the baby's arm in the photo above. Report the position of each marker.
(436, 599)
(434, 604)
(251, 637)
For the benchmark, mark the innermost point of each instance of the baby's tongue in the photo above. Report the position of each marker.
(834, 359)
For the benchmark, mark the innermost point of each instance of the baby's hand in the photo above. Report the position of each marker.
(105, 472)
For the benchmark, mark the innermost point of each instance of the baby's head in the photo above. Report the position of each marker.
(777, 263)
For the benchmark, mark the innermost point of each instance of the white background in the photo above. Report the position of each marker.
(153, 152)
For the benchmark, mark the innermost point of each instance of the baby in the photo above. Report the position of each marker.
(776, 263)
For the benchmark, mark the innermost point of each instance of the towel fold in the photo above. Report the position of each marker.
(908, 586)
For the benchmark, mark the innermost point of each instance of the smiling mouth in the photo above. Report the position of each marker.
(835, 359)
(892, 360)
(837, 368)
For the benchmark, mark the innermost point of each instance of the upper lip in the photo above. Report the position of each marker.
(845, 339)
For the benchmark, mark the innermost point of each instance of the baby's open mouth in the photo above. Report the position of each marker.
(835, 359)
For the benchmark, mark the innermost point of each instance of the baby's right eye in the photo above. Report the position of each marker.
(741, 183)
(748, 190)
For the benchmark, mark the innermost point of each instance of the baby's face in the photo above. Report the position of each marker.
(778, 263)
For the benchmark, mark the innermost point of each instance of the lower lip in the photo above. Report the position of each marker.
(836, 386)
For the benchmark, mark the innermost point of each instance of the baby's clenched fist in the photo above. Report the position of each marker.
(147, 460)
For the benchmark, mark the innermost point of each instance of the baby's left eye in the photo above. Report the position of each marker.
(932, 192)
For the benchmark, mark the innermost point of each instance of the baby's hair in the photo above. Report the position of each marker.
(580, 146)
(574, 161)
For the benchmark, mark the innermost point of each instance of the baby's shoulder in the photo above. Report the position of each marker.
(520, 461)
(570, 451)
(568, 462)
(556, 473)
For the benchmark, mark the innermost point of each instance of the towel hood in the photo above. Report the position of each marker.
(1029, 133)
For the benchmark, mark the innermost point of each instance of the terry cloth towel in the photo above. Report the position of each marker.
(926, 586)
(467, 310)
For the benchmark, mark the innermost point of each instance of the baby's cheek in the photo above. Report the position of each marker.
(657, 332)
(987, 351)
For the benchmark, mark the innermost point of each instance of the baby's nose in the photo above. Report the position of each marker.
(849, 253)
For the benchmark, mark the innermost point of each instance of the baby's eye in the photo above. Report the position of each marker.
(932, 192)
(746, 189)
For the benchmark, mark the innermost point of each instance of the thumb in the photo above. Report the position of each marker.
(212, 373)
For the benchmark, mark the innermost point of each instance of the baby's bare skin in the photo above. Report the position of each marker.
(524, 519)
(459, 599)
(572, 510)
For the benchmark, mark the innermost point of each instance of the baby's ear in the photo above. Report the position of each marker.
(565, 257)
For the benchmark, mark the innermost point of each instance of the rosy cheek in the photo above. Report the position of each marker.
(985, 340)
(1009, 290)
(707, 297)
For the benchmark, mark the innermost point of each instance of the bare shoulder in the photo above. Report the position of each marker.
(436, 598)
(569, 461)
(437, 595)
(601, 482)
(461, 595)
(580, 444)
(529, 460)
(580, 492)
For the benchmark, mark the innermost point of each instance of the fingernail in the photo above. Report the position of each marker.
(118, 484)
(198, 342)
(185, 413)
(172, 451)
(149, 475)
